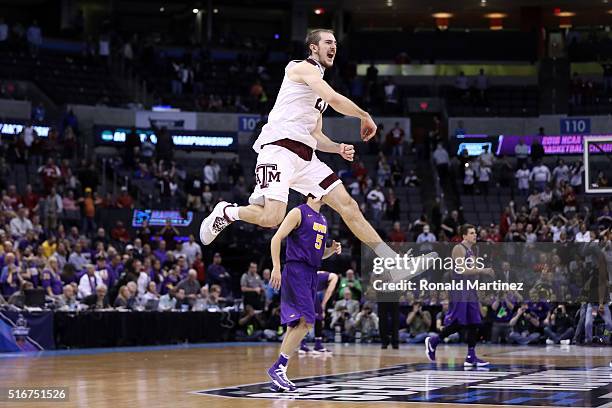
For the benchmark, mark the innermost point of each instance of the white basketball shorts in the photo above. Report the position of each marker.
(285, 166)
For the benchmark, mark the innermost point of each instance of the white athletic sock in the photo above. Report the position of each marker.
(233, 213)
(383, 250)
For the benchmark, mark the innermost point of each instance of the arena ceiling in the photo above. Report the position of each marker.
(377, 14)
(471, 13)
(404, 13)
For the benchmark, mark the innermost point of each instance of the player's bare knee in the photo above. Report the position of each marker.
(305, 326)
(349, 208)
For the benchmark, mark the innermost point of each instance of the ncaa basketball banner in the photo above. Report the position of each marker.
(26, 331)
(170, 120)
(504, 145)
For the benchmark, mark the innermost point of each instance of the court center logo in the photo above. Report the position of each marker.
(266, 174)
(446, 384)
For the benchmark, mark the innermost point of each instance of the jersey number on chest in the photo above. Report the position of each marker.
(319, 241)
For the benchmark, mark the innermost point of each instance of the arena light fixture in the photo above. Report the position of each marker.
(442, 19)
(215, 11)
(565, 19)
(319, 10)
(162, 9)
(195, 11)
(496, 20)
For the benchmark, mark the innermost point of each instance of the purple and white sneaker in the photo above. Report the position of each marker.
(473, 361)
(322, 350)
(430, 347)
(304, 349)
(278, 376)
(319, 348)
(275, 388)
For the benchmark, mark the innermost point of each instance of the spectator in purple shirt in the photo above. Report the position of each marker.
(170, 261)
(50, 278)
(160, 252)
(171, 280)
(115, 267)
(183, 266)
(218, 275)
(10, 279)
(30, 240)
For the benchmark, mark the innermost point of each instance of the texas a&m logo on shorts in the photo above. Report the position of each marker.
(265, 174)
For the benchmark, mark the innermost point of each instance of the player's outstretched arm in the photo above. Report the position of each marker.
(291, 222)
(325, 144)
(310, 75)
(332, 281)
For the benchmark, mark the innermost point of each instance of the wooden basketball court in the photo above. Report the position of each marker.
(189, 376)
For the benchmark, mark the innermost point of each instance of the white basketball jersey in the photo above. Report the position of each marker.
(295, 112)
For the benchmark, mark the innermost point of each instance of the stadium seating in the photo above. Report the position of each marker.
(65, 78)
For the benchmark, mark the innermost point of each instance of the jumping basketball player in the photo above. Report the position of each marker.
(306, 230)
(464, 310)
(286, 153)
(326, 285)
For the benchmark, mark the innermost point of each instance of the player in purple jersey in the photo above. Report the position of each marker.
(464, 311)
(306, 230)
(326, 284)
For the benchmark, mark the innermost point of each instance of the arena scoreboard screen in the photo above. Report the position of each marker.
(182, 139)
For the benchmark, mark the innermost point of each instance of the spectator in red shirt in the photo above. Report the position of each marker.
(125, 200)
(13, 198)
(395, 140)
(506, 219)
(30, 199)
(494, 235)
(396, 234)
(359, 170)
(120, 233)
(50, 175)
(198, 265)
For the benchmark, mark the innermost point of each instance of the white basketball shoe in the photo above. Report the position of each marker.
(216, 222)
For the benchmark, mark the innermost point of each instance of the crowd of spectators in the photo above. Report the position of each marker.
(81, 266)
(102, 271)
